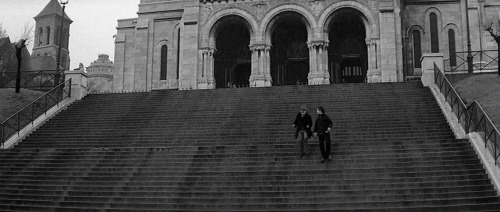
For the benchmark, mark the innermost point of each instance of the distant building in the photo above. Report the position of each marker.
(47, 38)
(100, 73)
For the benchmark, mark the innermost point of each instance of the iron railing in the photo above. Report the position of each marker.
(40, 80)
(27, 115)
(486, 60)
(472, 117)
(458, 106)
(481, 123)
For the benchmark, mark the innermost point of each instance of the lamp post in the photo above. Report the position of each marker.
(470, 68)
(58, 64)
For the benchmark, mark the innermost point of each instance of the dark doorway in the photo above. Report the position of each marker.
(290, 53)
(347, 52)
(352, 71)
(241, 73)
(232, 66)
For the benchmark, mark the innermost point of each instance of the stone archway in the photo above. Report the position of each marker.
(347, 51)
(232, 40)
(289, 53)
(288, 17)
(364, 18)
(222, 24)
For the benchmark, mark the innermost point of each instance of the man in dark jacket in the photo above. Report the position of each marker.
(322, 129)
(303, 124)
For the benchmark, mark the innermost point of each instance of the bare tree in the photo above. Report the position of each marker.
(493, 27)
(26, 37)
(28, 33)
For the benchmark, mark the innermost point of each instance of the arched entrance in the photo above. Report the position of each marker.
(289, 53)
(232, 59)
(347, 52)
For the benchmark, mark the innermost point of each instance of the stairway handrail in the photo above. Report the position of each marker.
(62, 92)
(486, 128)
(451, 96)
(28, 79)
(473, 118)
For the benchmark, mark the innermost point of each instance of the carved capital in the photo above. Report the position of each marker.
(259, 47)
(208, 51)
(318, 44)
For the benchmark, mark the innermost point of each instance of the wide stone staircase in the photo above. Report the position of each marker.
(233, 149)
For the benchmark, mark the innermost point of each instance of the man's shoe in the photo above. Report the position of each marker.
(330, 158)
(322, 161)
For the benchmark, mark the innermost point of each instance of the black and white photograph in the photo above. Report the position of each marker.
(249, 105)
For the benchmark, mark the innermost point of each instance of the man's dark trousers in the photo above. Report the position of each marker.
(325, 144)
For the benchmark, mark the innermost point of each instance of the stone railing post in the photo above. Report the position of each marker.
(79, 83)
(428, 60)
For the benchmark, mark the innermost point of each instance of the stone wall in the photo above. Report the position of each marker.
(449, 16)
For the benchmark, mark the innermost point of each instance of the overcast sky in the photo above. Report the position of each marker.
(92, 30)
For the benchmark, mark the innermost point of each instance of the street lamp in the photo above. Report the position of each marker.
(58, 64)
(470, 68)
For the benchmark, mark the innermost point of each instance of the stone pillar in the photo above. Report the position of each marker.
(140, 79)
(373, 74)
(428, 60)
(388, 44)
(318, 60)
(206, 80)
(79, 83)
(189, 62)
(267, 67)
(261, 63)
(119, 65)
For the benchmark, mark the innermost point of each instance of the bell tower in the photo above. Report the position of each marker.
(48, 36)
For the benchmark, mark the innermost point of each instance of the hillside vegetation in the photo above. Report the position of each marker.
(484, 88)
(11, 102)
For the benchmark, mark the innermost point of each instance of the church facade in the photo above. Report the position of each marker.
(206, 44)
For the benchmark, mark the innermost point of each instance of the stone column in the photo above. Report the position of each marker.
(373, 74)
(79, 83)
(324, 62)
(142, 43)
(206, 80)
(267, 67)
(318, 59)
(261, 75)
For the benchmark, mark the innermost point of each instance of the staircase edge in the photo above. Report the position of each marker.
(474, 138)
(30, 128)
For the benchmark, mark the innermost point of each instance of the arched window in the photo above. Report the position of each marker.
(434, 33)
(417, 49)
(163, 73)
(40, 36)
(47, 40)
(65, 38)
(63, 61)
(178, 51)
(452, 47)
(56, 36)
